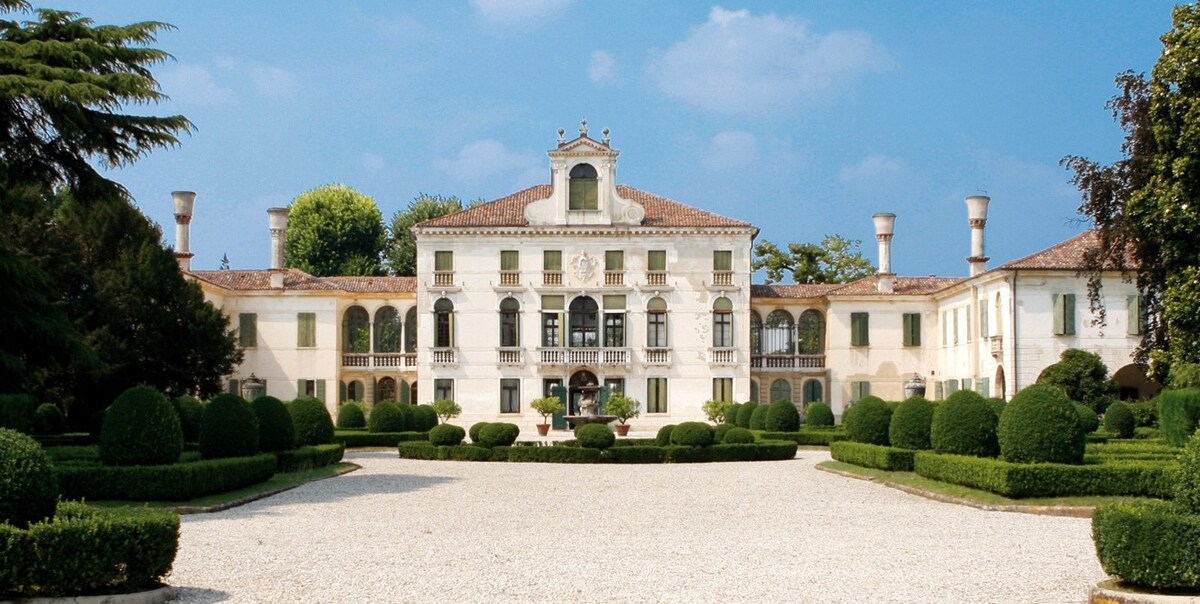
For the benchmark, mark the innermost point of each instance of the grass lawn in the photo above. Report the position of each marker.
(219, 501)
(913, 480)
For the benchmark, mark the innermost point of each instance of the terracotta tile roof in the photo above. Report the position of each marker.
(384, 285)
(1068, 255)
(801, 290)
(293, 279)
(903, 286)
(510, 211)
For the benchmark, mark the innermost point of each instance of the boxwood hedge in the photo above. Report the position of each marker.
(963, 424)
(141, 427)
(807, 437)
(782, 416)
(309, 457)
(745, 412)
(1150, 544)
(818, 414)
(909, 428)
(1179, 414)
(1041, 425)
(868, 421)
(362, 438)
(893, 459)
(173, 482)
(1019, 480)
(1118, 420)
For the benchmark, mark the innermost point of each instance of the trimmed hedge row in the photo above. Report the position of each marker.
(86, 550)
(354, 438)
(175, 482)
(1018, 481)
(307, 458)
(764, 451)
(892, 459)
(1148, 543)
(807, 437)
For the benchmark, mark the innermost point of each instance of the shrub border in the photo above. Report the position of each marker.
(771, 450)
(174, 482)
(892, 459)
(354, 439)
(309, 457)
(1148, 544)
(1019, 481)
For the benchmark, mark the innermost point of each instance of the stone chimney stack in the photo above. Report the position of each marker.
(184, 202)
(977, 207)
(885, 227)
(277, 219)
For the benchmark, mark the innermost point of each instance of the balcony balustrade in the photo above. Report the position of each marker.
(510, 278)
(443, 278)
(787, 361)
(660, 357)
(614, 278)
(510, 356)
(722, 278)
(722, 356)
(583, 356)
(656, 278)
(552, 277)
(445, 356)
(379, 360)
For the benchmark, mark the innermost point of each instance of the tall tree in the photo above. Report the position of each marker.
(335, 230)
(835, 260)
(1144, 206)
(402, 250)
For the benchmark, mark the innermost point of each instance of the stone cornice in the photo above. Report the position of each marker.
(582, 231)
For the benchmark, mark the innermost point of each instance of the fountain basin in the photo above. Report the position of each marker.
(575, 421)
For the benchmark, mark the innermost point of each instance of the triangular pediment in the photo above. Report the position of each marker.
(583, 145)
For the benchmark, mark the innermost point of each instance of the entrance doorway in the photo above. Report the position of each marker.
(579, 379)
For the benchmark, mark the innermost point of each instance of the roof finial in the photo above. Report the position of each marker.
(583, 127)
(561, 138)
(605, 133)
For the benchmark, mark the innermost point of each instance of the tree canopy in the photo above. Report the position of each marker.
(835, 260)
(402, 251)
(335, 230)
(1083, 376)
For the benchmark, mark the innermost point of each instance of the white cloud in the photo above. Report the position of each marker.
(273, 82)
(518, 13)
(730, 149)
(602, 68)
(874, 168)
(484, 159)
(193, 84)
(737, 62)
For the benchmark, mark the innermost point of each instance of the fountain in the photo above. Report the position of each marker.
(588, 409)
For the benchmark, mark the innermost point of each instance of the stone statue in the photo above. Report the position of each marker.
(587, 405)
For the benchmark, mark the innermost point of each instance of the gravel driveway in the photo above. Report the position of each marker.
(420, 531)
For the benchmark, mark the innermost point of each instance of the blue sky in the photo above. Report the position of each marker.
(803, 118)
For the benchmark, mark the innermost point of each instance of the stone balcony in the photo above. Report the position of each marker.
(379, 360)
(785, 362)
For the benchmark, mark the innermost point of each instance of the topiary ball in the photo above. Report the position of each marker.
(387, 417)
(595, 436)
(49, 419)
(275, 429)
(732, 413)
(720, 430)
(189, 410)
(818, 414)
(473, 432)
(782, 416)
(910, 424)
(663, 438)
(997, 405)
(28, 487)
(446, 435)
(1187, 478)
(351, 416)
(869, 421)
(424, 418)
(1088, 420)
(964, 424)
(229, 428)
(1041, 425)
(1118, 419)
(311, 420)
(140, 428)
(758, 419)
(745, 412)
(496, 434)
(692, 434)
(737, 436)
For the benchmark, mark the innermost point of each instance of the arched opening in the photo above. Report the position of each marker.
(412, 397)
(1133, 385)
(443, 323)
(811, 331)
(656, 323)
(387, 330)
(580, 380)
(781, 390)
(356, 330)
(754, 391)
(1001, 386)
(583, 322)
(410, 330)
(755, 334)
(779, 333)
(386, 389)
(354, 391)
(584, 188)
(722, 323)
(510, 334)
(813, 391)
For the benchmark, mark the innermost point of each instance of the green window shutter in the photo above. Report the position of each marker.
(443, 261)
(614, 260)
(1059, 325)
(657, 260)
(984, 387)
(967, 324)
(306, 330)
(509, 260)
(248, 330)
(299, 388)
(722, 260)
(1069, 315)
(1133, 315)
(321, 390)
(954, 313)
(234, 386)
(341, 391)
(945, 327)
(552, 260)
(966, 384)
(912, 329)
(983, 319)
(859, 329)
(937, 391)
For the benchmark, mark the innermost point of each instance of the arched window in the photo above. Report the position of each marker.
(582, 324)
(386, 389)
(779, 334)
(354, 390)
(754, 391)
(410, 330)
(443, 323)
(356, 330)
(656, 323)
(755, 336)
(781, 390)
(584, 188)
(812, 332)
(722, 323)
(510, 310)
(387, 330)
(813, 391)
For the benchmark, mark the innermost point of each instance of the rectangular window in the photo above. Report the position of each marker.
(510, 396)
(510, 260)
(615, 385)
(443, 389)
(306, 330)
(614, 260)
(983, 318)
(548, 386)
(552, 321)
(951, 387)
(860, 327)
(552, 260)
(912, 329)
(614, 329)
(966, 323)
(722, 329)
(1064, 314)
(1135, 316)
(656, 260)
(984, 387)
(954, 330)
(945, 328)
(859, 391)
(443, 261)
(656, 395)
(247, 330)
(722, 260)
(656, 329)
(722, 389)
(309, 388)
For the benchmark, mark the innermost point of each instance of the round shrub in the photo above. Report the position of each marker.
(782, 416)
(1041, 425)
(963, 424)
(997, 405)
(140, 429)
(28, 488)
(758, 419)
(1088, 420)
(275, 430)
(189, 410)
(818, 414)
(424, 418)
(1179, 414)
(1187, 479)
(595, 436)
(473, 432)
(868, 421)
(1118, 419)
(738, 436)
(910, 424)
(446, 435)
(387, 417)
(229, 428)
(732, 413)
(663, 438)
(745, 412)
(350, 415)
(499, 434)
(692, 434)
(720, 430)
(311, 420)
(49, 419)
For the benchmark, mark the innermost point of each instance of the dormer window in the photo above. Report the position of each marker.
(584, 188)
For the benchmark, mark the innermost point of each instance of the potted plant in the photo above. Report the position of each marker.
(623, 408)
(547, 406)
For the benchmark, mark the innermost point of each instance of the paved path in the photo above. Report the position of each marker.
(415, 531)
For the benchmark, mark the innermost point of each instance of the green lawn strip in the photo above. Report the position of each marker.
(913, 483)
(223, 501)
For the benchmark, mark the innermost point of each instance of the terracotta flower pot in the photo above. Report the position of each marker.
(543, 429)
(622, 429)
